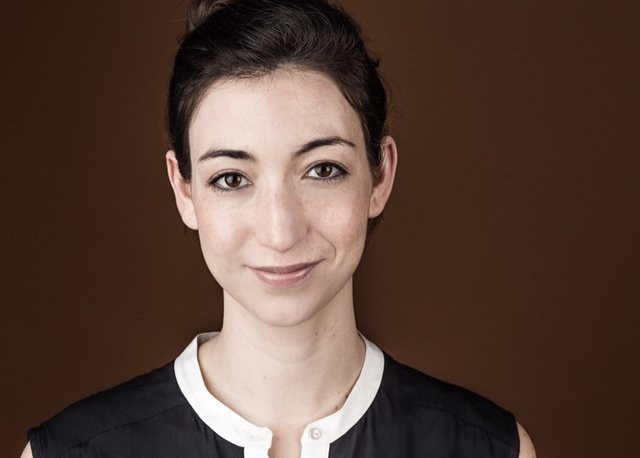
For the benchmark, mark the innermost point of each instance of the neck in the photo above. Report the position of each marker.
(284, 377)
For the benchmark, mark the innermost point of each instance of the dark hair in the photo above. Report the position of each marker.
(253, 38)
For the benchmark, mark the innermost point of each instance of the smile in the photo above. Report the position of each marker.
(285, 275)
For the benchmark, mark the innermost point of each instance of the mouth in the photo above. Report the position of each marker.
(284, 275)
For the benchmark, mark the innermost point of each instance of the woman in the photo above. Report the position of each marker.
(281, 161)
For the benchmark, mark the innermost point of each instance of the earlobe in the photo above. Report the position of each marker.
(181, 191)
(386, 176)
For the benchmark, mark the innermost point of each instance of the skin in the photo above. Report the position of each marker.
(283, 215)
(293, 351)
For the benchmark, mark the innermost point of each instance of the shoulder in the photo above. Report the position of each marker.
(526, 445)
(144, 397)
(26, 453)
(450, 407)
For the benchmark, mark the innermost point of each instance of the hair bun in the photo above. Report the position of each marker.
(200, 10)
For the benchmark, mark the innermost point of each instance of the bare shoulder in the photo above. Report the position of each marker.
(526, 446)
(26, 453)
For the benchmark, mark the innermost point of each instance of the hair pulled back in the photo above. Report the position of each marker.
(254, 38)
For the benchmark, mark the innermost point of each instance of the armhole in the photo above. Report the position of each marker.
(33, 435)
(510, 427)
(516, 433)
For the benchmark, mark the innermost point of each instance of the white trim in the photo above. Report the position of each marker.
(224, 421)
(256, 440)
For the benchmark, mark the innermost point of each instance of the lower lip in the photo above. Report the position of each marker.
(284, 279)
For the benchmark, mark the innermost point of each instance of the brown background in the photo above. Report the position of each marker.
(507, 261)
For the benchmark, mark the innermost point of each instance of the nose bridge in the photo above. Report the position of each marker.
(280, 222)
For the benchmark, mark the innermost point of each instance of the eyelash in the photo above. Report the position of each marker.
(342, 173)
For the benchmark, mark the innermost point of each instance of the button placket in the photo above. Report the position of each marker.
(315, 449)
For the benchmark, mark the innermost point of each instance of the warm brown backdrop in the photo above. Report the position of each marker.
(507, 262)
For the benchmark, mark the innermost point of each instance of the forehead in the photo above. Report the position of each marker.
(280, 110)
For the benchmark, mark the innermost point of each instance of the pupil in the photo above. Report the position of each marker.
(232, 180)
(324, 170)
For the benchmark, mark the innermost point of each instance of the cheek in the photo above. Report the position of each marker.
(342, 217)
(220, 234)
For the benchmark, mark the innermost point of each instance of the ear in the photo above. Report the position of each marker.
(386, 174)
(182, 191)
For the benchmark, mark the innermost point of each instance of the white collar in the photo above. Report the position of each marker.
(256, 440)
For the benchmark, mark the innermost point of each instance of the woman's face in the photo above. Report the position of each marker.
(281, 192)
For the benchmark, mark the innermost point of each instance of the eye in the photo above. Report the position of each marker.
(229, 181)
(326, 171)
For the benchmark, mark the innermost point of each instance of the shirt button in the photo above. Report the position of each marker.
(315, 433)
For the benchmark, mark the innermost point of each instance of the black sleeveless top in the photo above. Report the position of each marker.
(392, 411)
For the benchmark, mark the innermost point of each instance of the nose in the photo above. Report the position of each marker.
(280, 223)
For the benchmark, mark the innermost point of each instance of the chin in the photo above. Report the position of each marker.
(287, 312)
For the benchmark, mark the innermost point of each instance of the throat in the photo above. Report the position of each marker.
(286, 444)
(282, 393)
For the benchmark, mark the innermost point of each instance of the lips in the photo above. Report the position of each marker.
(284, 275)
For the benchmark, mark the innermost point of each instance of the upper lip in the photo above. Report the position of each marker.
(285, 269)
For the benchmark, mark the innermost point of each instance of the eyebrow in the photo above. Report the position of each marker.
(244, 155)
